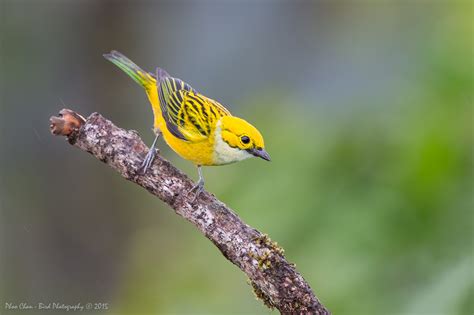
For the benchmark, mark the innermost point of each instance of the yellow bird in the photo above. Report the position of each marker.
(196, 127)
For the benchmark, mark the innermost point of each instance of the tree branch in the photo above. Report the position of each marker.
(275, 281)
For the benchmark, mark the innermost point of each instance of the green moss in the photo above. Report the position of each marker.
(263, 260)
(268, 249)
(266, 241)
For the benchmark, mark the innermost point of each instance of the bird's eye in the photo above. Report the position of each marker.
(245, 139)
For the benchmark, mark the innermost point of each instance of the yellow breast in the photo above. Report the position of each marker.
(200, 153)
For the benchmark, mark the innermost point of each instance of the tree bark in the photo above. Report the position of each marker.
(275, 281)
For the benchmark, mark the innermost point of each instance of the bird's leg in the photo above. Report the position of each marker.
(199, 187)
(150, 155)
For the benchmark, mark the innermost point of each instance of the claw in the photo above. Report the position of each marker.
(148, 161)
(197, 189)
(150, 156)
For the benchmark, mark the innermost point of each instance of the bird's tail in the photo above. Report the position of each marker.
(145, 79)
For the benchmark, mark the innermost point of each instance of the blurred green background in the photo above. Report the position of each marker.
(366, 108)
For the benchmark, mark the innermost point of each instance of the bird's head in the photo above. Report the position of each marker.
(243, 140)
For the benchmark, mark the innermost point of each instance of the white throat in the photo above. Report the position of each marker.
(224, 153)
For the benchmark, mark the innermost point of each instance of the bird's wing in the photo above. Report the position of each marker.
(188, 115)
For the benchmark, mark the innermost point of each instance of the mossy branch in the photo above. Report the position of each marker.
(274, 280)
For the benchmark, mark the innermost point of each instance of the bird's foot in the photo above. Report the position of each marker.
(197, 189)
(148, 161)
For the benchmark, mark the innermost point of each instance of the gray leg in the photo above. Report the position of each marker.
(150, 155)
(199, 187)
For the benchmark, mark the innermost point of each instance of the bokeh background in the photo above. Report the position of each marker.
(366, 108)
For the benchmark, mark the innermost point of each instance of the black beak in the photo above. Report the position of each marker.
(259, 152)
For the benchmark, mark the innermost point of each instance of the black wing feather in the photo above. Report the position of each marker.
(168, 87)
